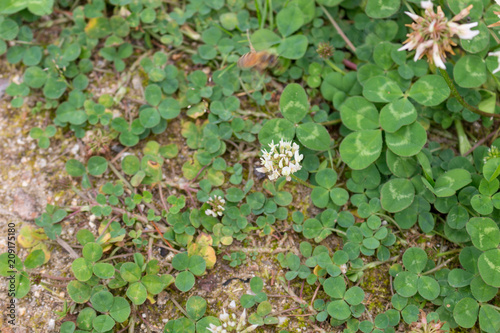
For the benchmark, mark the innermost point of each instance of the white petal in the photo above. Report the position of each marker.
(421, 49)
(432, 25)
(426, 4)
(408, 46)
(437, 57)
(414, 17)
(242, 321)
(465, 32)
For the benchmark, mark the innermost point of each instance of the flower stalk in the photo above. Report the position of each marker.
(454, 93)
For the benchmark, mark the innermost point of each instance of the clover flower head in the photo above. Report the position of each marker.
(216, 206)
(216, 329)
(343, 268)
(432, 33)
(493, 152)
(224, 316)
(325, 50)
(231, 323)
(283, 159)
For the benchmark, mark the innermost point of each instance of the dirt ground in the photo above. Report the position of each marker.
(31, 178)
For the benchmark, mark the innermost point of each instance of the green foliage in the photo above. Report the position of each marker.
(376, 148)
(17, 271)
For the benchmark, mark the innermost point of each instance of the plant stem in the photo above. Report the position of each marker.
(271, 16)
(459, 98)
(463, 143)
(60, 278)
(390, 219)
(117, 256)
(332, 65)
(374, 264)
(331, 159)
(177, 305)
(338, 231)
(301, 181)
(409, 7)
(442, 254)
(480, 142)
(119, 175)
(494, 307)
(437, 268)
(331, 122)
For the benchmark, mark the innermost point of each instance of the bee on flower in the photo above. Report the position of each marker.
(283, 159)
(216, 206)
(432, 33)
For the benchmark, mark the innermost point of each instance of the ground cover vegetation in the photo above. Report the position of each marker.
(364, 132)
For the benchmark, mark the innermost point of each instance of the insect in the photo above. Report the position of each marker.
(259, 60)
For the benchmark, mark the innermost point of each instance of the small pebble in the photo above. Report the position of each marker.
(75, 149)
(51, 325)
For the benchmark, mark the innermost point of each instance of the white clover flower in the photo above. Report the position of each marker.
(282, 159)
(463, 31)
(493, 152)
(217, 206)
(229, 324)
(432, 33)
(224, 317)
(216, 329)
(343, 268)
(436, 57)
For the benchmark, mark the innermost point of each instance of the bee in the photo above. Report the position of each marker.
(259, 60)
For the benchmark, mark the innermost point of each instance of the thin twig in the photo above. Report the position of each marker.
(480, 142)
(337, 27)
(161, 198)
(314, 295)
(68, 248)
(350, 64)
(285, 311)
(105, 228)
(438, 267)
(295, 297)
(177, 305)
(60, 278)
(161, 235)
(117, 257)
(120, 176)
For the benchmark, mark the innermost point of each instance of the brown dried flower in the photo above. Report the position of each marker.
(325, 50)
